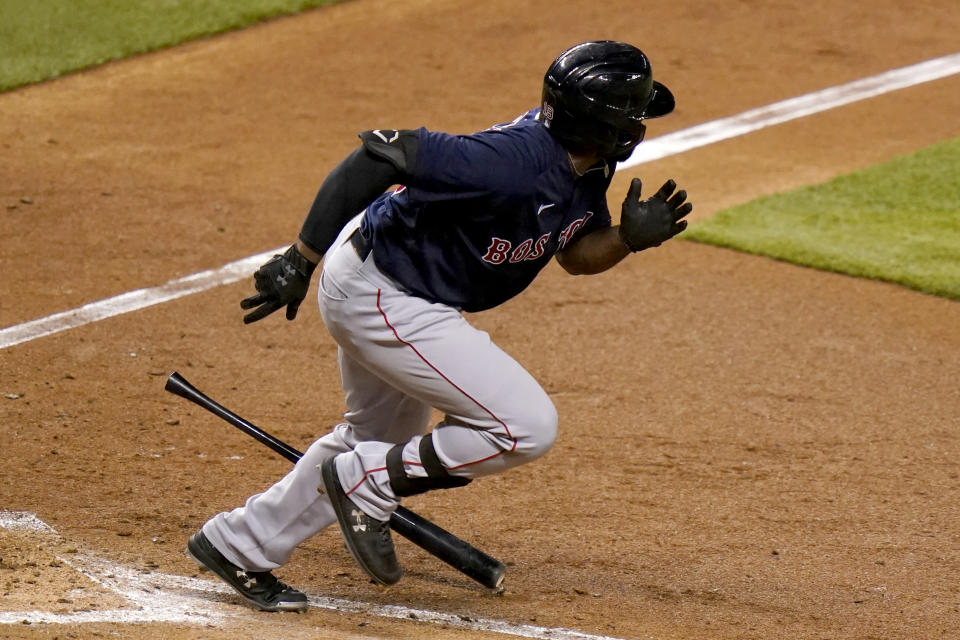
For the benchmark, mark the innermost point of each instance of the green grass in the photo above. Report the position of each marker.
(43, 39)
(897, 222)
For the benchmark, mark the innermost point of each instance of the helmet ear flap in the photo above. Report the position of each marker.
(561, 123)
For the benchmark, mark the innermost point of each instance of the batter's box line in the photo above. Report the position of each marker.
(24, 521)
(160, 597)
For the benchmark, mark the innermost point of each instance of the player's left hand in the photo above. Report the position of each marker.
(281, 281)
(651, 222)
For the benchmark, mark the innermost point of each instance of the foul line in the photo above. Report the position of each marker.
(166, 598)
(653, 149)
(793, 108)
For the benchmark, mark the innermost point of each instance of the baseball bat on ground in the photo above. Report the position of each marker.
(459, 554)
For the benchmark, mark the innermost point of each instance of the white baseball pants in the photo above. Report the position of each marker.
(399, 357)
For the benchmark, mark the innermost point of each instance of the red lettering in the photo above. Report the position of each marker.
(572, 229)
(498, 251)
(539, 247)
(501, 250)
(523, 249)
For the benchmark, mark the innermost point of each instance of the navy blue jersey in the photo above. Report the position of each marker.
(482, 214)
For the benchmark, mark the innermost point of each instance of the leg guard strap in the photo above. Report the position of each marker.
(437, 476)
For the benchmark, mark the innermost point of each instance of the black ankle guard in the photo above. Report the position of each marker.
(437, 476)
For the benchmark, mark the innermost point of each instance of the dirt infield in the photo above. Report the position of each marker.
(747, 449)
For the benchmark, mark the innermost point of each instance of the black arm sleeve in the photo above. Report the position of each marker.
(363, 175)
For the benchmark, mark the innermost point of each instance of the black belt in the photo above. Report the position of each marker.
(360, 244)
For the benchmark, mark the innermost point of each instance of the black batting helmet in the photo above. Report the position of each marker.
(596, 96)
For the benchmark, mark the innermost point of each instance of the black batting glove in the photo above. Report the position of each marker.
(281, 281)
(651, 222)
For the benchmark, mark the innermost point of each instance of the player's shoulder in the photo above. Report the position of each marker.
(524, 133)
(509, 158)
(525, 122)
(527, 141)
(525, 129)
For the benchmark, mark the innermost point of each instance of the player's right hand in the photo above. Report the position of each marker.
(282, 281)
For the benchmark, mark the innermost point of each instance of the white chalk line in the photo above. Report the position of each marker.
(132, 301)
(137, 588)
(153, 597)
(793, 108)
(653, 149)
(24, 521)
(160, 597)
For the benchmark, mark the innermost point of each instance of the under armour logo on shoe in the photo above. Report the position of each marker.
(243, 576)
(359, 516)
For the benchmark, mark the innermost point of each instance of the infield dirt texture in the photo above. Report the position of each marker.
(747, 449)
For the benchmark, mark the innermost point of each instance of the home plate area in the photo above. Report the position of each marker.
(46, 580)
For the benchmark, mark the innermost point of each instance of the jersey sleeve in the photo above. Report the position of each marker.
(601, 218)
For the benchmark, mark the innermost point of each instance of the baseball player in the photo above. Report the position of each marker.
(475, 219)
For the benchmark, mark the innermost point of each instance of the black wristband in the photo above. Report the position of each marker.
(299, 261)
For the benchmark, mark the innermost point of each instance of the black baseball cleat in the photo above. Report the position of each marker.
(368, 539)
(259, 588)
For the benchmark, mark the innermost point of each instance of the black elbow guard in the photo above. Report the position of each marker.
(396, 146)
